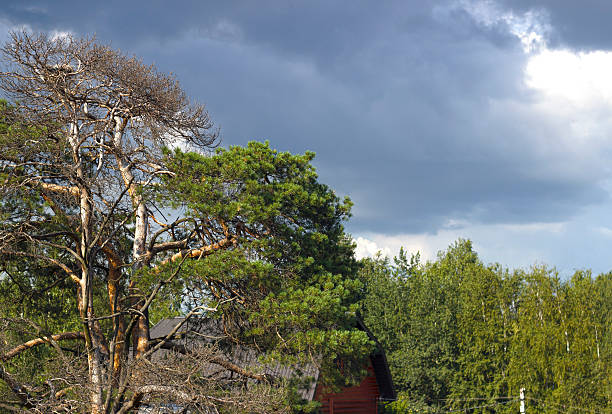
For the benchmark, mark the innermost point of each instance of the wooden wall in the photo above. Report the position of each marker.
(360, 399)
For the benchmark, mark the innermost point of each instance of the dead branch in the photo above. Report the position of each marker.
(40, 341)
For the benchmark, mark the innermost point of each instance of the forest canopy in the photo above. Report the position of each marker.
(460, 334)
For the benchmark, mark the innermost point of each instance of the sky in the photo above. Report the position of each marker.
(487, 120)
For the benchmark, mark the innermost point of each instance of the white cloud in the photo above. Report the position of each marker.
(562, 118)
(572, 94)
(515, 245)
(60, 34)
(580, 78)
(369, 248)
(38, 9)
(606, 231)
(427, 245)
(531, 28)
(6, 27)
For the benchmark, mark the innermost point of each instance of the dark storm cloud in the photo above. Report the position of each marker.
(404, 103)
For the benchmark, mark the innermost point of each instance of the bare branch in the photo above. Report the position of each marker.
(202, 251)
(73, 191)
(218, 361)
(40, 341)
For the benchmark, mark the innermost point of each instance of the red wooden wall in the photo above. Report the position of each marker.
(360, 399)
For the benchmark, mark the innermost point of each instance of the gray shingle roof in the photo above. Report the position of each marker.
(209, 331)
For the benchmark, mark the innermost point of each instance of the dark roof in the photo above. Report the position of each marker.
(164, 327)
(210, 331)
(380, 365)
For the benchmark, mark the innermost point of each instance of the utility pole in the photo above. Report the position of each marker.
(522, 399)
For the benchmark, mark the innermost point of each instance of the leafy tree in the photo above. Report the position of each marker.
(486, 321)
(581, 373)
(602, 318)
(434, 333)
(270, 207)
(96, 208)
(555, 351)
(540, 339)
(414, 308)
(386, 317)
(460, 335)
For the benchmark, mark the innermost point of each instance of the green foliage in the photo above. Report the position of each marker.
(284, 280)
(35, 300)
(559, 331)
(270, 191)
(288, 282)
(459, 334)
(403, 405)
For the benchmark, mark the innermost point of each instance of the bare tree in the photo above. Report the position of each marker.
(101, 119)
(180, 377)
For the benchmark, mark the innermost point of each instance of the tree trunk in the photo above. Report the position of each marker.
(118, 350)
(94, 354)
(140, 333)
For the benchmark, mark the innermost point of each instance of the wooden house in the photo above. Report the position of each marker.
(359, 399)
